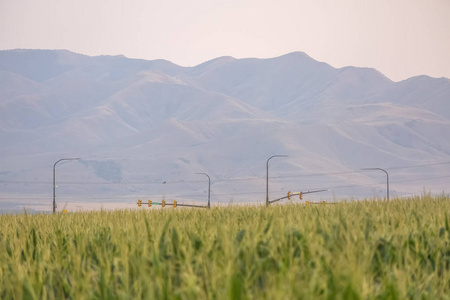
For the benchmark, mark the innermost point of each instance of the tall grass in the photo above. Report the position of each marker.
(356, 250)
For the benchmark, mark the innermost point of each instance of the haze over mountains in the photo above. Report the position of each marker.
(137, 124)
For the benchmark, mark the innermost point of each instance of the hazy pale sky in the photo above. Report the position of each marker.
(400, 38)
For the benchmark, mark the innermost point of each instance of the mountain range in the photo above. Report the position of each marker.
(143, 129)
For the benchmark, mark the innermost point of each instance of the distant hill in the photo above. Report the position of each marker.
(154, 121)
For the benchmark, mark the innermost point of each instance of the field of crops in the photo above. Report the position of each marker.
(356, 250)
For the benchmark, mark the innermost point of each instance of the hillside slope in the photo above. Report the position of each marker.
(154, 121)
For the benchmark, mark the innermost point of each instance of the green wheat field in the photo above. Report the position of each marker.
(371, 249)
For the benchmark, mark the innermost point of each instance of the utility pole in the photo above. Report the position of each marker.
(209, 188)
(54, 181)
(387, 179)
(267, 177)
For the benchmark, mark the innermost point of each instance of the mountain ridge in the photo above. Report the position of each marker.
(157, 121)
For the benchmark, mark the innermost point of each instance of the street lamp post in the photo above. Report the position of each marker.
(387, 179)
(267, 177)
(54, 181)
(209, 188)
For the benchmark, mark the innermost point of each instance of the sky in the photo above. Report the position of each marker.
(399, 38)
